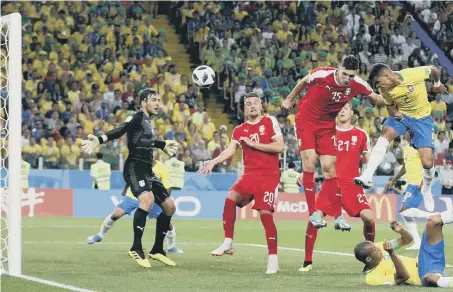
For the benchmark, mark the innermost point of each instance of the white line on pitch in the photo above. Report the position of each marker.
(54, 284)
(204, 243)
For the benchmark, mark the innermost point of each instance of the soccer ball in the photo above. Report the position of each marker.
(203, 76)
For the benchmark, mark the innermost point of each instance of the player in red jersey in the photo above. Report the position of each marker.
(329, 89)
(261, 140)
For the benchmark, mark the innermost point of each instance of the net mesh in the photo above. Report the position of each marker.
(4, 52)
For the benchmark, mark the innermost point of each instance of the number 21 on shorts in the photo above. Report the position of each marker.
(269, 198)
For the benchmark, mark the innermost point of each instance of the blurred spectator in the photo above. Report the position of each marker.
(441, 144)
(446, 178)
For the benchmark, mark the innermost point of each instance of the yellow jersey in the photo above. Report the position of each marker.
(410, 97)
(100, 172)
(162, 173)
(413, 164)
(289, 181)
(384, 273)
(24, 171)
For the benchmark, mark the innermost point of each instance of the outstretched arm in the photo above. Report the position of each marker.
(118, 132)
(277, 145)
(377, 99)
(226, 154)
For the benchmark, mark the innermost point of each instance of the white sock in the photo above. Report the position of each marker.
(108, 223)
(415, 213)
(428, 176)
(447, 217)
(445, 282)
(171, 238)
(376, 157)
(228, 241)
(411, 226)
(273, 257)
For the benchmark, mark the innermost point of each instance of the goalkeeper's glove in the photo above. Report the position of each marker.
(90, 144)
(171, 147)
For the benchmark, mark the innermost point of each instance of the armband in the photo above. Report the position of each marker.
(395, 244)
(159, 144)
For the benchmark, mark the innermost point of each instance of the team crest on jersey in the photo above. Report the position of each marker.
(410, 88)
(262, 130)
(354, 140)
(348, 90)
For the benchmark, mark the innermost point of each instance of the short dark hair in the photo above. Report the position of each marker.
(145, 93)
(291, 165)
(361, 251)
(251, 94)
(350, 63)
(99, 155)
(376, 71)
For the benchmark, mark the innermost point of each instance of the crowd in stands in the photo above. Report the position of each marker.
(83, 65)
(267, 46)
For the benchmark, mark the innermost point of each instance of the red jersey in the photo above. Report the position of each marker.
(350, 145)
(325, 98)
(255, 161)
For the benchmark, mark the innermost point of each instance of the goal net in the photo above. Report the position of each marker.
(10, 142)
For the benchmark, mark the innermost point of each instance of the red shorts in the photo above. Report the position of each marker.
(316, 135)
(329, 203)
(262, 189)
(352, 198)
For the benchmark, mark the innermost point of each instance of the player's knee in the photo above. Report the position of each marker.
(169, 207)
(234, 196)
(117, 214)
(367, 216)
(431, 280)
(389, 134)
(427, 162)
(328, 170)
(434, 221)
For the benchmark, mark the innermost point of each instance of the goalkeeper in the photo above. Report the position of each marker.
(138, 173)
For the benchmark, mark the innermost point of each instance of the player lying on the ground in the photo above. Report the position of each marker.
(350, 142)
(261, 140)
(413, 170)
(384, 267)
(138, 173)
(328, 90)
(130, 204)
(407, 102)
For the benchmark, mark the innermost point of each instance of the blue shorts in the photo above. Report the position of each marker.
(412, 197)
(431, 258)
(421, 129)
(129, 205)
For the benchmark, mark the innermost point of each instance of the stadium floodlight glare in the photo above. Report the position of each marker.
(10, 143)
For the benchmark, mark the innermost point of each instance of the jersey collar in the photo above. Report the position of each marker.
(345, 130)
(255, 122)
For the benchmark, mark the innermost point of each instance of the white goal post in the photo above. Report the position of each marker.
(11, 106)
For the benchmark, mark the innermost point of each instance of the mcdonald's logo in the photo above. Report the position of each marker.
(377, 204)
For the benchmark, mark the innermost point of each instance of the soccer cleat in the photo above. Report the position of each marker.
(306, 267)
(175, 250)
(341, 224)
(272, 265)
(223, 249)
(93, 239)
(140, 258)
(428, 200)
(363, 182)
(317, 220)
(162, 257)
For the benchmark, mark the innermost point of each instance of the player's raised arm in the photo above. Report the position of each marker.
(226, 154)
(401, 275)
(288, 102)
(405, 237)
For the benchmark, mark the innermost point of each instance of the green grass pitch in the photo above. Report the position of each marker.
(54, 249)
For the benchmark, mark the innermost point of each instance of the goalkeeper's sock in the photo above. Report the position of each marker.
(445, 282)
(369, 231)
(310, 239)
(310, 190)
(271, 232)
(229, 217)
(376, 157)
(139, 228)
(106, 226)
(162, 227)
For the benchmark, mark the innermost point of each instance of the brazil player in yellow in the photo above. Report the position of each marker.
(130, 203)
(384, 267)
(413, 170)
(405, 95)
